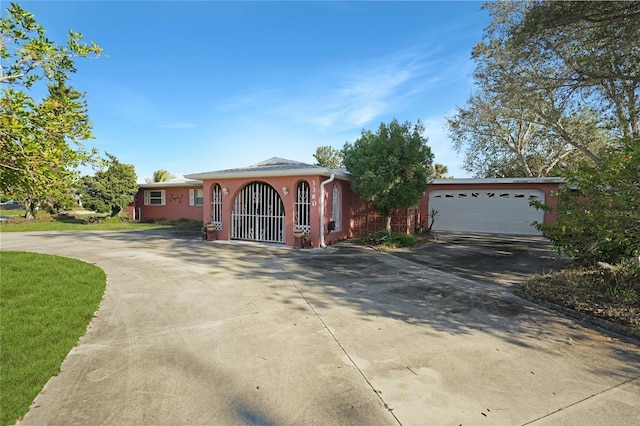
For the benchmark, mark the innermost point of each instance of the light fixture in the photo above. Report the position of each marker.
(285, 191)
(225, 191)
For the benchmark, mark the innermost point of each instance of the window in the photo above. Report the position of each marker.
(154, 198)
(335, 207)
(302, 207)
(196, 197)
(216, 207)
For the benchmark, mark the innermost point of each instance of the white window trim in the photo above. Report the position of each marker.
(193, 197)
(147, 197)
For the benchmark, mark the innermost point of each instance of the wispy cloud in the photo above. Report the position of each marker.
(341, 96)
(357, 95)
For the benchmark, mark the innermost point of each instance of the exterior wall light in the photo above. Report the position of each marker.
(225, 191)
(285, 191)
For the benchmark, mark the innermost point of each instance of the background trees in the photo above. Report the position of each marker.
(556, 82)
(390, 168)
(161, 175)
(439, 171)
(330, 157)
(111, 189)
(40, 139)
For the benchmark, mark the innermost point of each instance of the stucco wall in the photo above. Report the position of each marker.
(352, 211)
(176, 205)
(232, 187)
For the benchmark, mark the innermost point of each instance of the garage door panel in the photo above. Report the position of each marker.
(494, 211)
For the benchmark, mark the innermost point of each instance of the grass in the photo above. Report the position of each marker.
(44, 222)
(46, 303)
(608, 292)
(12, 212)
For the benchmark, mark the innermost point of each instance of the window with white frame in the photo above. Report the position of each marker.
(196, 197)
(154, 197)
(335, 207)
(216, 207)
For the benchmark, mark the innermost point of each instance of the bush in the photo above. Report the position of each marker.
(598, 209)
(386, 239)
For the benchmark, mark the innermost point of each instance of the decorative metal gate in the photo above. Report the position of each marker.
(302, 219)
(258, 214)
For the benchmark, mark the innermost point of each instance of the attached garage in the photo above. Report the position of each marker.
(498, 206)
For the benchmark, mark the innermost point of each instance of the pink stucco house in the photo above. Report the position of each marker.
(289, 202)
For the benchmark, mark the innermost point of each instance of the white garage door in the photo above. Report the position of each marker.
(487, 210)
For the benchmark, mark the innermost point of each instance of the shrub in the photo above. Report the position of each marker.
(388, 239)
(599, 208)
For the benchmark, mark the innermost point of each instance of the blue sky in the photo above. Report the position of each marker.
(204, 85)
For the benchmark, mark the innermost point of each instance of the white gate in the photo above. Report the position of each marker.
(258, 214)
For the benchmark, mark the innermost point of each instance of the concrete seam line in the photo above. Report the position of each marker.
(583, 400)
(335, 339)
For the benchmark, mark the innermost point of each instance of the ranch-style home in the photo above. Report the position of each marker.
(299, 204)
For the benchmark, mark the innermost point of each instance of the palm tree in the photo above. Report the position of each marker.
(439, 171)
(162, 175)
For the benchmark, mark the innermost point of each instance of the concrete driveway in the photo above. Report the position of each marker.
(196, 332)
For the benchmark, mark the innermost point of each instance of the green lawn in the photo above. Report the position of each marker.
(104, 224)
(79, 226)
(46, 303)
(12, 212)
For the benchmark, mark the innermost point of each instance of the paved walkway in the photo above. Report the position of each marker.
(196, 332)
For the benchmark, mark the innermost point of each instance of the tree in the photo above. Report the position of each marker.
(599, 208)
(597, 45)
(390, 168)
(546, 89)
(439, 171)
(161, 175)
(327, 156)
(501, 136)
(40, 141)
(110, 190)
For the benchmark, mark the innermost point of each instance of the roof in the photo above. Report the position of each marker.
(272, 167)
(485, 181)
(171, 183)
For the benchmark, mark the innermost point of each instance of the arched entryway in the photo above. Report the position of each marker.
(258, 214)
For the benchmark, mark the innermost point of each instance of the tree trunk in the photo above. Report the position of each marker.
(28, 207)
(388, 224)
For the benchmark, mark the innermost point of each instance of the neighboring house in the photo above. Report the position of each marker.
(277, 199)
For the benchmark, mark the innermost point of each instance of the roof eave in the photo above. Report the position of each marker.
(268, 173)
(461, 181)
(170, 184)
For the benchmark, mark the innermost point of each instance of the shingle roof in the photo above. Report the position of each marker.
(274, 166)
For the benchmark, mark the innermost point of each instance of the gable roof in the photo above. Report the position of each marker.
(272, 167)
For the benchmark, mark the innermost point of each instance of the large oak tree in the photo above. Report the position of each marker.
(553, 85)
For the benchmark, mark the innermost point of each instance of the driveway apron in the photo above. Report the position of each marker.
(197, 332)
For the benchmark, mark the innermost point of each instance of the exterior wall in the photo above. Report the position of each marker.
(357, 217)
(547, 187)
(345, 200)
(233, 186)
(176, 205)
